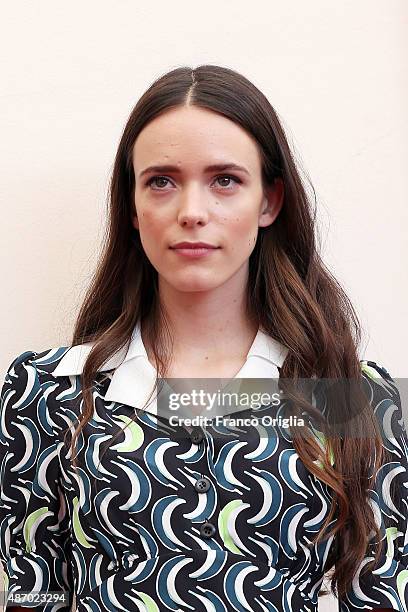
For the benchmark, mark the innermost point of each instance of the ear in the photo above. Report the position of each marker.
(135, 222)
(271, 203)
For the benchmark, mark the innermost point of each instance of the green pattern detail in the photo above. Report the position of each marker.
(78, 531)
(29, 524)
(223, 525)
(137, 436)
(371, 372)
(149, 603)
(391, 533)
(323, 443)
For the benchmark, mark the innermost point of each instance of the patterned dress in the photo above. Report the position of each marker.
(164, 521)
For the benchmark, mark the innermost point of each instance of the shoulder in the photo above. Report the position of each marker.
(26, 377)
(374, 370)
(379, 380)
(30, 408)
(43, 362)
(387, 402)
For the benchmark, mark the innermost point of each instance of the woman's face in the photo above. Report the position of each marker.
(190, 202)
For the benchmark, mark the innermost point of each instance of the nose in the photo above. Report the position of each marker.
(192, 207)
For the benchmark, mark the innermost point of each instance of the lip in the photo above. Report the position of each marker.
(193, 245)
(194, 250)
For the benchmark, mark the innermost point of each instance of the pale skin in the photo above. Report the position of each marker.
(204, 298)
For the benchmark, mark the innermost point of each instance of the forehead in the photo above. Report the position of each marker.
(191, 135)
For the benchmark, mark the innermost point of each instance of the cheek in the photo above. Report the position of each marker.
(244, 232)
(153, 231)
(150, 224)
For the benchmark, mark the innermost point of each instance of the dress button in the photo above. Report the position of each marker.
(202, 485)
(207, 530)
(196, 435)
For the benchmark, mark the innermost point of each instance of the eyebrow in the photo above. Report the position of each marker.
(177, 170)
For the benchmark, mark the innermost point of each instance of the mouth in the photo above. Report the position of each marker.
(194, 251)
(193, 245)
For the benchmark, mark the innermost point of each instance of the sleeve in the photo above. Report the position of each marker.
(387, 585)
(34, 521)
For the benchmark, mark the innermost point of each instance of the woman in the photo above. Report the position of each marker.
(172, 517)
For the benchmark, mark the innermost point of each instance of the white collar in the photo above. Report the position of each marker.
(134, 375)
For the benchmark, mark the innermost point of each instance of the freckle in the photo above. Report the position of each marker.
(206, 358)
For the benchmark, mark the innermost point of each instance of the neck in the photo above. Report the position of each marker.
(209, 324)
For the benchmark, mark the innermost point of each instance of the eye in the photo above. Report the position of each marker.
(229, 177)
(153, 179)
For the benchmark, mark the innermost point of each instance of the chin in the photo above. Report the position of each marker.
(194, 287)
(193, 284)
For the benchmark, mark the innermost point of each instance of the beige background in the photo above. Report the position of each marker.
(335, 72)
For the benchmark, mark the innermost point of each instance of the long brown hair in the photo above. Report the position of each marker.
(290, 293)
